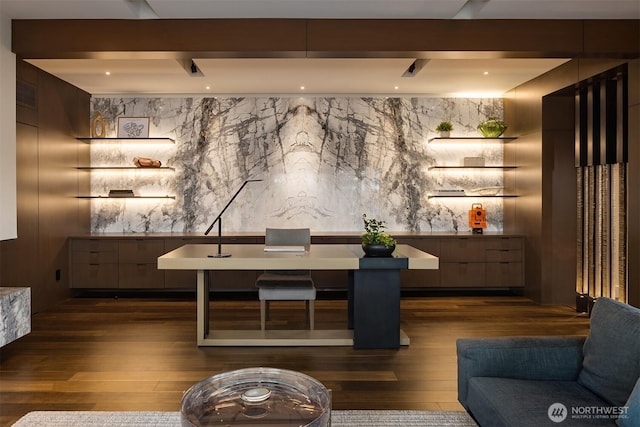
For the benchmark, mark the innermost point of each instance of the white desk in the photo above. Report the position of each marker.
(374, 288)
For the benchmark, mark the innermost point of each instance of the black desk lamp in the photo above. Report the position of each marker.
(219, 221)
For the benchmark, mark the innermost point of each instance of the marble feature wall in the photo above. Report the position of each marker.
(323, 161)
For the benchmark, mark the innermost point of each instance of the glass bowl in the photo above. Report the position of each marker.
(256, 396)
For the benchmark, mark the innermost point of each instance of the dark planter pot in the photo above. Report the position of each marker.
(378, 250)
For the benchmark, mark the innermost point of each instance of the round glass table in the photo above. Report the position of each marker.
(257, 396)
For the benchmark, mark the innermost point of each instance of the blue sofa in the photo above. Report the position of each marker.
(556, 381)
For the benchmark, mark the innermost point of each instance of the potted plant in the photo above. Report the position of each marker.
(492, 128)
(376, 242)
(444, 129)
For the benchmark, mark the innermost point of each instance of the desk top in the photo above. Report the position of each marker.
(318, 257)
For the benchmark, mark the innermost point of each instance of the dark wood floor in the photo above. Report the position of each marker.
(140, 354)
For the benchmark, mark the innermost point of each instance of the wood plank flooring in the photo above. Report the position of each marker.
(140, 354)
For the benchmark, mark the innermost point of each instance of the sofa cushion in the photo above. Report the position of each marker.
(632, 416)
(525, 403)
(611, 365)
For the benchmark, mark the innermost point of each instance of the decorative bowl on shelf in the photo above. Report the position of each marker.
(492, 128)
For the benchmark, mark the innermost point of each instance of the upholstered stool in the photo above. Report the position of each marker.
(268, 293)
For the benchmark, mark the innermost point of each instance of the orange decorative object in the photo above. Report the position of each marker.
(477, 218)
(145, 162)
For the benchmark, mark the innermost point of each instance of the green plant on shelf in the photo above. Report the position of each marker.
(444, 126)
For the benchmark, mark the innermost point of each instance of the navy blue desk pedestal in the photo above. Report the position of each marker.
(374, 302)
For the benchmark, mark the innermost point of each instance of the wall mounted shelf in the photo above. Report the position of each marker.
(128, 140)
(439, 139)
(471, 167)
(146, 141)
(128, 197)
(131, 168)
(432, 196)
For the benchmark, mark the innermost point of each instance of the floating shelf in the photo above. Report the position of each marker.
(128, 140)
(127, 197)
(470, 196)
(472, 167)
(439, 139)
(132, 168)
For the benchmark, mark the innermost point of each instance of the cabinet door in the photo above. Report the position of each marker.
(94, 264)
(462, 249)
(140, 276)
(140, 250)
(138, 264)
(505, 274)
(505, 243)
(103, 275)
(462, 274)
(504, 255)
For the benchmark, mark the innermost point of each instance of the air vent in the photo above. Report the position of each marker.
(26, 95)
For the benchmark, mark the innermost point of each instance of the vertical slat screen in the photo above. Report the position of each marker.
(601, 155)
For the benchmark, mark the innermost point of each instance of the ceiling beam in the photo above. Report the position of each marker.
(272, 38)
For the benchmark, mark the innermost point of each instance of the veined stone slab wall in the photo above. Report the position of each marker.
(324, 161)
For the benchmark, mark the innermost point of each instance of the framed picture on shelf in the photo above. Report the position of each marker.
(133, 127)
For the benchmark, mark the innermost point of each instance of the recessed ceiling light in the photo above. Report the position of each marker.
(301, 87)
(396, 87)
(207, 87)
(486, 73)
(108, 73)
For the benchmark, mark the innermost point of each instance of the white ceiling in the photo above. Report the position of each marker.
(439, 77)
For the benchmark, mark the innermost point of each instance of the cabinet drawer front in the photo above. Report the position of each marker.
(140, 251)
(420, 278)
(180, 279)
(103, 276)
(501, 274)
(462, 249)
(504, 243)
(462, 274)
(504, 255)
(95, 245)
(140, 276)
(95, 257)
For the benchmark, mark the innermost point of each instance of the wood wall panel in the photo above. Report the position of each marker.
(48, 183)
(633, 179)
(596, 38)
(19, 256)
(544, 173)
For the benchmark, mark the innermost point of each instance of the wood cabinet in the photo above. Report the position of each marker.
(482, 262)
(137, 264)
(130, 262)
(94, 263)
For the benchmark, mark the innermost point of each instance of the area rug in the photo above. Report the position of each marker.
(172, 419)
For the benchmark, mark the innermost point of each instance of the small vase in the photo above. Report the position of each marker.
(445, 134)
(378, 250)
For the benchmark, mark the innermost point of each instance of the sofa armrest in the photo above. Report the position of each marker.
(556, 358)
